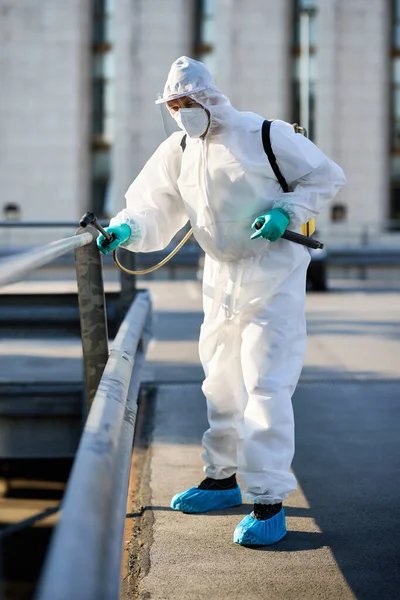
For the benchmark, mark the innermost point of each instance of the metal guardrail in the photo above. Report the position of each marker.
(14, 269)
(188, 256)
(85, 555)
(84, 559)
(90, 295)
(368, 256)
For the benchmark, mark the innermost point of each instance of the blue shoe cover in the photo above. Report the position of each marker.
(252, 532)
(200, 501)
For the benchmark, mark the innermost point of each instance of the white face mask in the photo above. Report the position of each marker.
(192, 120)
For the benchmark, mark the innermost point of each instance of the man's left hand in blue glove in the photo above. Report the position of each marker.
(121, 232)
(274, 224)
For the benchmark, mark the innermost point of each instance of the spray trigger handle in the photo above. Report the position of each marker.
(106, 242)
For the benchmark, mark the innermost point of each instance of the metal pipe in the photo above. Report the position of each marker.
(14, 269)
(112, 563)
(121, 481)
(92, 313)
(76, 562)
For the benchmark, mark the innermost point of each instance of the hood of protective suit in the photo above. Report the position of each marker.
(189, 77)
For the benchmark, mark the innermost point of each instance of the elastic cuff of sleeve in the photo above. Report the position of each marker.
(136, 225)
(287, 209)
(136, 230)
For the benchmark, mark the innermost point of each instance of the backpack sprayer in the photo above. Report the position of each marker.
(90, 218)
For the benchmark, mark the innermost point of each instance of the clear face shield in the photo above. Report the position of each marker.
(169, 123)
(172, 105)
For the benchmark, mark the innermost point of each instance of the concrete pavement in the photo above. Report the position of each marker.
(352, 333)
(343, 521)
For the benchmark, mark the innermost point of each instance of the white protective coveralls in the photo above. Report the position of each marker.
(253, 337)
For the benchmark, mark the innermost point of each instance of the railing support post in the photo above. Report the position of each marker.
(92, 313)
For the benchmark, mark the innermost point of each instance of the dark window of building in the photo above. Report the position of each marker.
(204, 32)
(102, 104)
(304, 64)
(338, 212)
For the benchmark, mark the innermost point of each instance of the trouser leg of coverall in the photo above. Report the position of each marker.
(225, 393)
(272, 353)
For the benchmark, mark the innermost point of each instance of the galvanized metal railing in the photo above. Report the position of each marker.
(85, 556)
(91, 298)
(84, 559)
(15, 268)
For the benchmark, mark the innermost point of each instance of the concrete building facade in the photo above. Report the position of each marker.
(44, 110)
(48, 159)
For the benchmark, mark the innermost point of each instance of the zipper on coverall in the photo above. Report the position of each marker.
(227, 271)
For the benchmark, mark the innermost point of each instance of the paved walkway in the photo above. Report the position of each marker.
(343, 521)
(352, 334)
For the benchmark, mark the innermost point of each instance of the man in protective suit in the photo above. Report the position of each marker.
(253, 337)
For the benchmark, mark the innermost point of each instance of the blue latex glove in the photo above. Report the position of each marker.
(122, 234)
(274, 224)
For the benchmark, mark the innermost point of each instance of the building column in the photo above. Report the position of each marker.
(353, 103)
(253, 55)
(151, 35)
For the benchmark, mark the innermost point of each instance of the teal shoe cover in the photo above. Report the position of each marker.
(195, 500)
(252, 532)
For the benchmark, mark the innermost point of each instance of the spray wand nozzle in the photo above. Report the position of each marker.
(90, 218)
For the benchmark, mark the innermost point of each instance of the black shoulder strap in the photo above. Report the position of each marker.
(266, 126)
(183, 143)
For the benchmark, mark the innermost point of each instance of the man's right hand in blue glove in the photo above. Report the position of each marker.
(121, 232)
